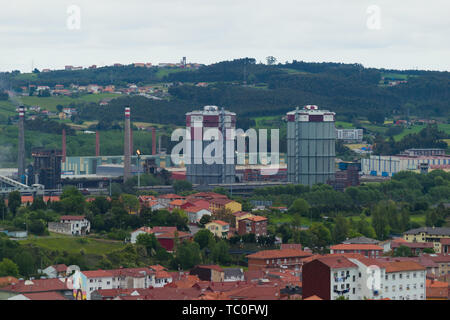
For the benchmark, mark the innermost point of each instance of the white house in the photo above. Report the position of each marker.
(55, 271)
(196, 213)
(141, 230)
(99, 279)
(71, 225)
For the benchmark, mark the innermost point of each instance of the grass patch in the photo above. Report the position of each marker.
(74, 245)
(344, 125)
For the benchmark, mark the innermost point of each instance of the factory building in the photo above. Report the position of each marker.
(197, 122)
(89, 165)
(47, 167)
(387, 166)
(311, 139)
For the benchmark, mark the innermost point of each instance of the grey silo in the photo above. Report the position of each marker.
(311, 137)
(196, 122)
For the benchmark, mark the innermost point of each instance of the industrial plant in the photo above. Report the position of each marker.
(197, 122)
(311, 137)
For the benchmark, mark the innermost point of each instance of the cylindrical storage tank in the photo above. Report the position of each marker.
(197, 122)
(311, 137)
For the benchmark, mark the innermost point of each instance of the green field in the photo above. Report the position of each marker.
(50, 103)
(344, 125)
(73, 245)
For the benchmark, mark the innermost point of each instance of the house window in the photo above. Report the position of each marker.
(354, 278)
(353, 290)
(393, 277)
(400, 275)
(359, 275)
(335, 287)
(386, 277)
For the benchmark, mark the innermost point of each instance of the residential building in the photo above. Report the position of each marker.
(166, 236)
(367, 250)
(219, 228)
(55, 271)
(283, 258)
(356, 278)
(428, 234)
(209, 273)
(417, 248)
(330, 277)
(71, 225)
(255, 224)
(225, 204)
(241, 215)
(59, 286)
(166, 199)
(443, 262)
(437, 290)
(196, 213)
(99, 279)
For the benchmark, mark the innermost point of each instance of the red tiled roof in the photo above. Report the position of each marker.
(60, 267)
(157, 267)
(112, 293)
(439, 258)
(397, 266)
(222, 223)
(170, 196)
(38, 285)
(45, 296)
(72, 217)
(276, 254)
(26, 199)
(98, 274)
(351, 246)
(337, 262)
(437, 289)
(171, 235)
(4, 281)
(51, 198)
(163, 229)
(256, 218)
(177, 202)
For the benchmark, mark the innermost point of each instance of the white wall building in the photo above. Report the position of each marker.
(387, 166)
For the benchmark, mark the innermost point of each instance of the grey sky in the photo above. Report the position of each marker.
(413, 34)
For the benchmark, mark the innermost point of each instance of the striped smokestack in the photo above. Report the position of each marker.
(21, 146)
(64, 152)
(97, 144)
(127, 147)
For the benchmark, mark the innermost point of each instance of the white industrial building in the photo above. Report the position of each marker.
(387, 166)
(350, 135)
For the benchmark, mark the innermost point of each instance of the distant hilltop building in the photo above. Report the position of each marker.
(311, 139)
(349, 135)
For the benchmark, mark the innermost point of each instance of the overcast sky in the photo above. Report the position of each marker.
(409, 34)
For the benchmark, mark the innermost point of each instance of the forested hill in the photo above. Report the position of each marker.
(254, 89)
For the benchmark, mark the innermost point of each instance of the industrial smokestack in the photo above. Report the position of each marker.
(131, 141)
(127, 147)
(63, 146)
(153, 141)
(21, 146)
(97, 144)
(159, 144)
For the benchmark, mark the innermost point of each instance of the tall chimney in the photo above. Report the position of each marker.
(127, 147)
(153, 141)
(97, 144)
(21, 146)
(131, 141)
